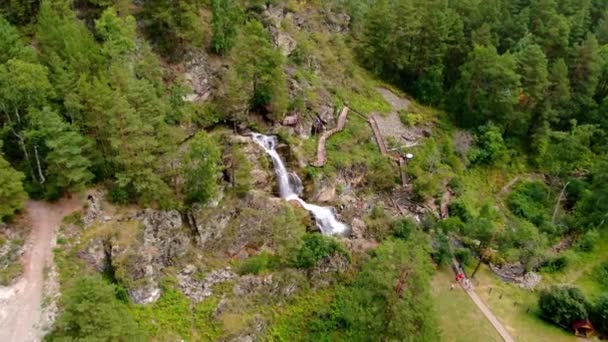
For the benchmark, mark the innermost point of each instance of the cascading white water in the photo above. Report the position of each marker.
(290, 187)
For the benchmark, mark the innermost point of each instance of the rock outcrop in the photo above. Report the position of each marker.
(201, 289)
(137, 249)
(200, 75)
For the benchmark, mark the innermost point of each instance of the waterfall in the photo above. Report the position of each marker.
(290, 188)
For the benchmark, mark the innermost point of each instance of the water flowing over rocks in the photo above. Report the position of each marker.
(290, 187)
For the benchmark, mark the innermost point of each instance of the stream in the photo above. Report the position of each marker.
(290, 188)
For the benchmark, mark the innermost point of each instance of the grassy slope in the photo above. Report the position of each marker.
(516, 308)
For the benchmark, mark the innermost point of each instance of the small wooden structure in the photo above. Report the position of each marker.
(583, 328)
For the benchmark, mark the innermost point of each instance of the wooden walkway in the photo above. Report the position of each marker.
(321, 151)
(379, 139)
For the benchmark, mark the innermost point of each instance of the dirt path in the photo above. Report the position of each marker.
(21, 304)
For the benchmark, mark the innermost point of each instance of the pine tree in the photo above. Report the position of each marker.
(224, 24)
(173, 24)
(12, 45)
(584, 76)
(201, 169)
(534, 74)
(488, 88)
(256, 79)
(550, 27)
(65, 158)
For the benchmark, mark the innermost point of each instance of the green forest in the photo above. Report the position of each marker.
(503, 105)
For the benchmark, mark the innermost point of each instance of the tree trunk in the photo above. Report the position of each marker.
(42, 179)
(476, 268)
(559, 200)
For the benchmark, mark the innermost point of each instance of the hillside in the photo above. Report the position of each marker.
(302, 170)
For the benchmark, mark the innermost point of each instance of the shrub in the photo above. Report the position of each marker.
(256, 264)
(464, 255)
(442, 252)
(600, 274)
(452, 225)
(317, 247)
(599, 314)
(379, 224)
(460, 210)
(532, 201)
(92, 312)
(563, 305)
(403, 228)
(588, 241)
(490, 147)
(554, 265)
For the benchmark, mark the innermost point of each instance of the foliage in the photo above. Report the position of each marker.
(12, 195)
(402, 229)
(588, 241)
(174, 316)
(371, 308)
(599, 314)
(490, 147)
(201, 169)
(532, 201)
(92, 312)
(593, 206)
(563, 305)
(256, 80)
(379, 224)
(554, 265)
(255, 264)
(174, 25)
(600, 274)
(315, 248)
(224, 25)
(464, 256)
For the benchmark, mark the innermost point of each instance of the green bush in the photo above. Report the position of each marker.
(93, 313)
(554, 265)
(464, 255)
(379, 224)
(588, 241)
(403, 228)
(317, 247)
(255, 264)
(532, 201)
(460, 210)
(599, 314)
(600, 274)
(490, 147)
(563, 305)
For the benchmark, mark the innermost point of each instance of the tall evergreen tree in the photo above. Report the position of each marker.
(488, 88)
(201, 169)
(584, 76)
(224, 24)
(256, 79)
(173, 25)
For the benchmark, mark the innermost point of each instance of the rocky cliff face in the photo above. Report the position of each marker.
(136, 249)
(163, 241)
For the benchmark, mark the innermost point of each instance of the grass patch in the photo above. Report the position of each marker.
(582, 269)
(175, 317)
(291, 322)
(517, 310)
(459, 319)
